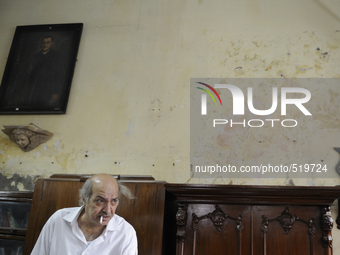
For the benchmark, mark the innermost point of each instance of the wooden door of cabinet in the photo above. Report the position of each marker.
(253, 220)
(15, 208)
(284, 230)
(217, 229)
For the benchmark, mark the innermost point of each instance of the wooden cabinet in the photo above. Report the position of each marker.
(14, 214)
(253, 220)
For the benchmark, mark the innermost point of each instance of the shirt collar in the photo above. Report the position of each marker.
(73, 215)
(113, 224)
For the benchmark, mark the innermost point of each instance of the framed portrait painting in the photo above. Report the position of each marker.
(39, 70)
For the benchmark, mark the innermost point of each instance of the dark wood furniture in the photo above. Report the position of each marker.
(253, 220)
(145, 213)
(15, 207)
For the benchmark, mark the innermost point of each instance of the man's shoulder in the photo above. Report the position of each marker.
(67, 210)
(64, 211)
(54, 54)
(123, 224)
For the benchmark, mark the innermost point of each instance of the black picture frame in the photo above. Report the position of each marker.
(39, 69)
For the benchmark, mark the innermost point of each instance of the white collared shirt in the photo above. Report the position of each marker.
(61, 235)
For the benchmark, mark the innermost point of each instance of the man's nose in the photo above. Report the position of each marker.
(108, 209)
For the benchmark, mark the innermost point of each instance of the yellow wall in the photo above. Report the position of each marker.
(128, 110)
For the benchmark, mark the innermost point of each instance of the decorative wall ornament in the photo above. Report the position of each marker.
(27, 137)
(337, 168)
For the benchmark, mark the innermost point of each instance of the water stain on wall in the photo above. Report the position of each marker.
(17, 182)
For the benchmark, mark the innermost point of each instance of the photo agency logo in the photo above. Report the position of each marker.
(238, 100)
(263, 128)
(204, 97)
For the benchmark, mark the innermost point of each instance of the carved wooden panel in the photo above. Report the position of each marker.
(253, 220)
(284, 230)
(216, 229)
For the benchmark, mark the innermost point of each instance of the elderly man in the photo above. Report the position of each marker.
(93, 228)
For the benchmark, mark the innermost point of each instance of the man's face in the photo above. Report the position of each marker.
(46, 44)
(103, 202)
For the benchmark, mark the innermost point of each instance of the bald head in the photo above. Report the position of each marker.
(98, 181)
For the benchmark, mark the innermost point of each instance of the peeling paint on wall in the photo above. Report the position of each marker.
(17, 182)
(57, 146)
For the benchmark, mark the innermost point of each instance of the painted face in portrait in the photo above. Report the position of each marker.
(46, 44)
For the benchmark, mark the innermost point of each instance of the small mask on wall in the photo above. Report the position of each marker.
(27, 137)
